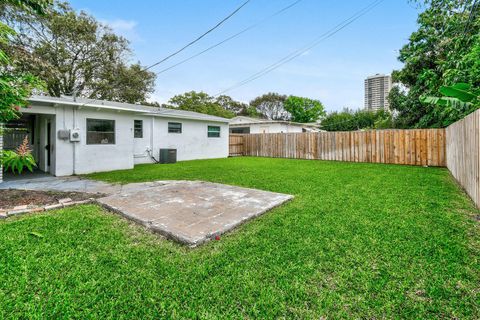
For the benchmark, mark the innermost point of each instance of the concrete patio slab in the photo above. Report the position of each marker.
(191, 212)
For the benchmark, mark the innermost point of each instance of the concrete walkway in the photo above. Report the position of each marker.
(65, 184)
(190, 212)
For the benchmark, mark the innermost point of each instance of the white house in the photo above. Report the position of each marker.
(78, 136)
(243, 124)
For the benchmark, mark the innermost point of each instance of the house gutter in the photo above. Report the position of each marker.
(165, 113)
(152, 129)
(74, 155)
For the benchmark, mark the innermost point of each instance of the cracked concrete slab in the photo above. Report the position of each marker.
(191, 212)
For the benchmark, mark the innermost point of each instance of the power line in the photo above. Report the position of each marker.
(330, 33)
(199, 37)
(186, 46)
(231, 37)
(301, 51)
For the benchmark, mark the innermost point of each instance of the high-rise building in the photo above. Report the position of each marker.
(377, 88)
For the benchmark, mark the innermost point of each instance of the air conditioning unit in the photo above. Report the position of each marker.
(168, 155)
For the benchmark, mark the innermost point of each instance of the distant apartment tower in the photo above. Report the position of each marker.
(377, 88)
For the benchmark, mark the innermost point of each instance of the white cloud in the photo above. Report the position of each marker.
(122, 25)
(126, 28)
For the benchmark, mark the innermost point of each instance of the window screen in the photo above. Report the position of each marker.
(138, 128)
(174, 127)
(213, 132)
(100, 131)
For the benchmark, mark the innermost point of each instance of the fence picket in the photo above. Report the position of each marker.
(411, 147)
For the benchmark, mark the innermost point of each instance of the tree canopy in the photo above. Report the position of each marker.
(271, 106)
(304, 110)
(16, 87)
(74, 53)
(203, 103)
(348, 120)
(229, 104)
(443, 51)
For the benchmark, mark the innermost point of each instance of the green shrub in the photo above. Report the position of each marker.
(20, 159)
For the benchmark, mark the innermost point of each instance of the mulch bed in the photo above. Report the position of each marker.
(13, 198)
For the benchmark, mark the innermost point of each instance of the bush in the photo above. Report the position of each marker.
(20, 159)
(348, 120)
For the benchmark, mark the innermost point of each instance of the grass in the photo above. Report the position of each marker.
(358, 241)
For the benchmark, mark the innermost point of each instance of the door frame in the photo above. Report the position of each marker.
(46, 143)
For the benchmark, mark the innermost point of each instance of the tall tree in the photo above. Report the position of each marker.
(74, 53)
(236, 107)
(199, 102)
(15, 87)
(271, 106)
(304, 110)
(443, 51)
(229, 104)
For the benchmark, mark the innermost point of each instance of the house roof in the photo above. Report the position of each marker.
(249, 121)
(246, 119)
(128, 107)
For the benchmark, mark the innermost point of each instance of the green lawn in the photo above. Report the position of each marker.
(358, 241)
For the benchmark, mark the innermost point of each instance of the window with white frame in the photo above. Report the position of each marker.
(138, 128)
(174, 127)
(100, 131)
(213, 132)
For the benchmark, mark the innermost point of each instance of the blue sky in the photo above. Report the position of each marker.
(332, 72)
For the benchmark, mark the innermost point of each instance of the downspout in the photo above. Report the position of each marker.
(74, 166)
(152, 128)
(74, 169)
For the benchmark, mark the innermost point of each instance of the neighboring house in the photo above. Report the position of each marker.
(83, 136)
(243, 124)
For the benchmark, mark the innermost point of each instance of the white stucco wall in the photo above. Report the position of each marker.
(93, 157)
(79, 158)
(193, 143)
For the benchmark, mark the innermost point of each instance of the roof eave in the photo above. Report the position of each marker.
(168, 115)
(143, 112)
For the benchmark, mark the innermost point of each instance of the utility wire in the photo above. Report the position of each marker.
(301, 51)
(93, 100)
(199, 37)
(231, 37)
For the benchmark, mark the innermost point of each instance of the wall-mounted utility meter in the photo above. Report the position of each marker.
(75, 135)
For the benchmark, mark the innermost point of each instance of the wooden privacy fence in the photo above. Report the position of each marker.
(412, 147)
(463, 147)
(236, 145)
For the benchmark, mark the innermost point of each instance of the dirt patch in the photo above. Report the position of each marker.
(12, 198)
